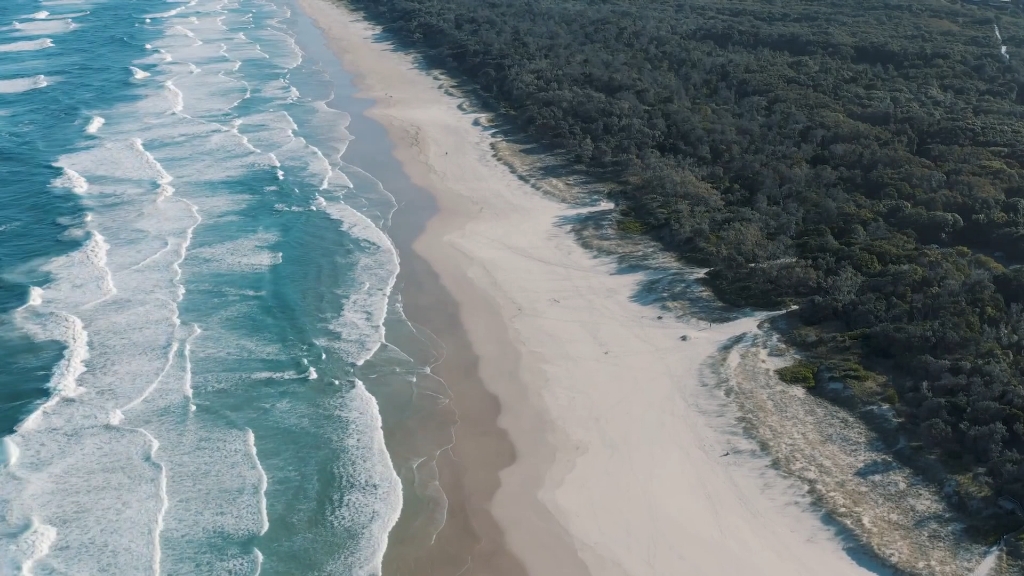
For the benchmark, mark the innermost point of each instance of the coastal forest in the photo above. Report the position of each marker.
(862, 161)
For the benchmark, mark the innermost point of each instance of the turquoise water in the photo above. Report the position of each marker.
(194, 291)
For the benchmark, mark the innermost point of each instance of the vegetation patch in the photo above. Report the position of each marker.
(801, 374)
(890, 397)
(631, 226)
(850, 371)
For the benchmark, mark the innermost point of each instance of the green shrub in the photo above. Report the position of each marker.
(631, 226)
(850, 371)
(890, 397)
(801, 373)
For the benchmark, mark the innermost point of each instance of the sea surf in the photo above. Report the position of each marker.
(196, 298)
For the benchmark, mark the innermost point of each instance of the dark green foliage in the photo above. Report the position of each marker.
(862, 160)
(801, 373)
(890, 397)
(631, 226)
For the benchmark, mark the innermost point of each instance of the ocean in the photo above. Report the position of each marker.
(198, 322)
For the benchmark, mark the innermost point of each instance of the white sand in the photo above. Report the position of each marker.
(617, 460)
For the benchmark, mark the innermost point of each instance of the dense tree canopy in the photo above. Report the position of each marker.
(862, 160)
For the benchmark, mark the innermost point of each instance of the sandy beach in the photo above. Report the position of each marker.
(604, 459)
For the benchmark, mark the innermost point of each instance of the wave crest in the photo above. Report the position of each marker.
(26, 45)
(72, 181)
(18, 85)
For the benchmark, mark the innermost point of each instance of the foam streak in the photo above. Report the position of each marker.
(154, 445)
(96, 252)
(26, 45)
(188, 366)
(73, 181)
(11, 452)
(151, 387)
(35, 298)
(18, 85)
(153, 257)
(250, 440)
(34, 544)
(95, 124)
(64, 381)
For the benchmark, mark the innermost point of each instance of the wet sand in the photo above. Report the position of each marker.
(581, 447)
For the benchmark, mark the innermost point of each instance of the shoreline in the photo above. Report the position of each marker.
(470, 542)
(580, 447)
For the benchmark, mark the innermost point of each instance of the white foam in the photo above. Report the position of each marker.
(73, 181)
(10, 452)
(331, 127)
(187, 381)
(95, 124)
(285, 51)
(311, 375)
(273, 130)
(167, 14)
(26, 45)
(175, 96)
(96, 254)
(64, 382)
(35, 297)
(250, 440)
(121, 159)
(162, 56)
(116, 417)
(216, 488)
(184, 249)
(39, 15)
(155, 256)
(68, 15)
(374, 499)
(248, 254)
(67, 371)
(138, 74)
(276, 375)
(211, 85)
(361, 325)
(157, 551)
(31, 546)
(181, 30)
(18, 85)
(40, 27)
(162, 177)
(152, 386)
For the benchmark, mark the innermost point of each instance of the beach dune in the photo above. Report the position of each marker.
(620, 464)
